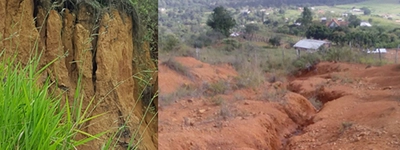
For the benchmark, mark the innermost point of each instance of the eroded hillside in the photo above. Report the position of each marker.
(334, 105)
(101, 42)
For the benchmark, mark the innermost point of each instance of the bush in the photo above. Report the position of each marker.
(345, 55)
(170, 42)
(307, 60)
(219, 87)
(231, 44)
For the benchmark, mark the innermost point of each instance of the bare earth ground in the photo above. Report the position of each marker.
(361, 110)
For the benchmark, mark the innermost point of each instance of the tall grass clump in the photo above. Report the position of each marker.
(31, 117)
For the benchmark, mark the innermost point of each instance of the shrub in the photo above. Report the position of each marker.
(309, 59)
(231, 44)
(170, 43)
(345, 55)
(219, 87)
(218, 100)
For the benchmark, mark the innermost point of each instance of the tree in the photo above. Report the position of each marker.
(221, 20)
(366, 11)
(354, 21)
(275, 41)
(339, 37)
(170, 42)
(281, 11)
(318, 31)
(370, 20)
(306, 17)
(251, 28)
(275, 24)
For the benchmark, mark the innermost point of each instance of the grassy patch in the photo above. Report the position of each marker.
(278, 75)
(181, 92)
(219, 87)
(33, 118)
(178, 67)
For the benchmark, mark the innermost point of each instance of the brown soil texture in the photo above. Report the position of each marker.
(360, 109)
(100, 46)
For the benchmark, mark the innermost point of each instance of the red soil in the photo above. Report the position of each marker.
(361, 110)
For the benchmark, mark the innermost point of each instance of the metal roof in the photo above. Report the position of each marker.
(309, 44)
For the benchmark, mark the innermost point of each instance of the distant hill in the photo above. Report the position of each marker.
(265, 3)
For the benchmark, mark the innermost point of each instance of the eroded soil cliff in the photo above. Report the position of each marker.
(98, 42)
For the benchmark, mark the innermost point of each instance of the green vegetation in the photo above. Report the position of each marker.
(174, 65)
(221, 20)
(219, 87)
(182, 91)
(306, 17)
(33, 118)
(148, 16)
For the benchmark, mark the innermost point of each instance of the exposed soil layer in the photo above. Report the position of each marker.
(99, 44)
(359, 107)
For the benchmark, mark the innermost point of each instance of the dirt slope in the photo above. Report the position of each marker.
(202, 72)
(359, 108)
(96, 43)
(363, 116)
(239, 121)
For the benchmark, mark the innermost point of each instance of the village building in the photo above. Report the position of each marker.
(365, 24)
(336, 23)
(310, 45)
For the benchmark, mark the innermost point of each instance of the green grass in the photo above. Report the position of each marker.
(292, 14)
(377, 6)
(31, 117)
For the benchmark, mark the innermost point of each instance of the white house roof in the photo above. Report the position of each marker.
(309, 44)
(365, 24)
